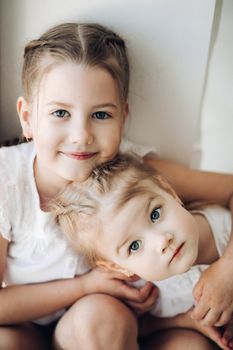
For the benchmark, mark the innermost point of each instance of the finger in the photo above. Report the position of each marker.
(151, 298)
(212, 333)
(121, 276)
(227, 340)
(134, 278)
(198, 291)
(146, 290)
(228, 334)
(224, 318)
(139, 295)
(127, 292)
(146, 305)
(211, 317)
(215, 335)
(200, 310)
(116, 274)
(138, 308)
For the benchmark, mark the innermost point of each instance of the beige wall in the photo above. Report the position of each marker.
(168, 42)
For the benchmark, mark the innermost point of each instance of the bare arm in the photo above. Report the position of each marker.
(27, 302)
(214, 290)
(194, 185)
(20, 303)
(150, 325)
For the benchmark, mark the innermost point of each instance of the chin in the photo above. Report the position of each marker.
(78, 177)
(191, 262)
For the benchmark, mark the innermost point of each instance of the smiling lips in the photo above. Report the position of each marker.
(177, 251)
(80, 155)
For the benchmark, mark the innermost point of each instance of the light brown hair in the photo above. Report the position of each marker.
(83, 43)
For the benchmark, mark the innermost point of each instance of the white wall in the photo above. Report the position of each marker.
(168, 42)
(217, 112)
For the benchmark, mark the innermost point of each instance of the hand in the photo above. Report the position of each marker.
(211, 332)
(227, 337)
(147, 296)
(213, 294)
(149, 324)
(100, 280)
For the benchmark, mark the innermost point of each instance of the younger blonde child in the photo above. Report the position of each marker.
(128, 219)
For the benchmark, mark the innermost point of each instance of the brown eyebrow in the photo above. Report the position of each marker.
(60, 104)
(104, 105)
(151, 198)
(66, 105)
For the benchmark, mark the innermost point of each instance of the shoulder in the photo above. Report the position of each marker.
(220, 221)
(216, 215)
(16, 169)
(14, 160)
(141, 150)
(18, 151)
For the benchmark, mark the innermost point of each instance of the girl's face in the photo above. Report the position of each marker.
(151, 236)
(76, 121)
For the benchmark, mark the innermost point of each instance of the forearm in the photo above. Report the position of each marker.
(28, 302)
(150, 324)
(194, 185)
(179, 321)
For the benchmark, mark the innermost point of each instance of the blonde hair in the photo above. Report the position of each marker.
(77, 208)
(84, 43)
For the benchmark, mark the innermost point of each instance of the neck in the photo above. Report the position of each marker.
(207, 251)
(48, 186)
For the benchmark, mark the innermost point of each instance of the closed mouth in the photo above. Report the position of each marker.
(177, 251)
(79, 155)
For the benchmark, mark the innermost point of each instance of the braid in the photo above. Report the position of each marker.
(36, 44)
(13, 142)
(85, 43)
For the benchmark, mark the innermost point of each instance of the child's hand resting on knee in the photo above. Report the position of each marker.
(101, 280)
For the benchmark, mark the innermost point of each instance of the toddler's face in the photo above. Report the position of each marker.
(76, 120)
(152, 235)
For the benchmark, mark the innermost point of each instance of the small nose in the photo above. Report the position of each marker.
(81, 133)
(164, 241)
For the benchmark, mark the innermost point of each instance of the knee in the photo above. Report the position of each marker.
(96, 319)
(107, 311)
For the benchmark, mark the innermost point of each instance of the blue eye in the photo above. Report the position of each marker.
(155, 214)
(134, 246)
(101, 115)
(61, 113)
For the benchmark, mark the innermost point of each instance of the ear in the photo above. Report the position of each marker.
(24, 116)
(113, 267)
